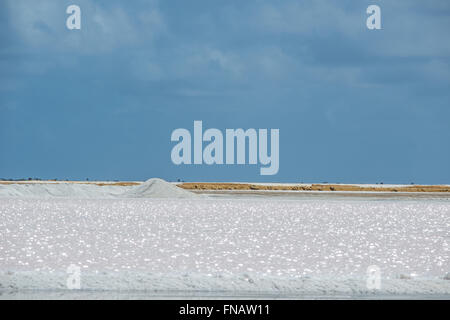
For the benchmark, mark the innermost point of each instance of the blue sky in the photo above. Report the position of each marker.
(352, 105)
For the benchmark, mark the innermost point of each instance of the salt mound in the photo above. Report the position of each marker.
(152, 188)
(158, 188)
(60, 190)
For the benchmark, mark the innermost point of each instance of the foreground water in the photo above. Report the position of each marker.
(264, 247)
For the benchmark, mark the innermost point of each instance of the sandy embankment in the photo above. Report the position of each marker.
(236, 186)
(312, 187)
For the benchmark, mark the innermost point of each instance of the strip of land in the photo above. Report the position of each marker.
(312, 187)
(236, 186)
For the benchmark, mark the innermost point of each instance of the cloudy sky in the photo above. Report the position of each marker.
(352, 104)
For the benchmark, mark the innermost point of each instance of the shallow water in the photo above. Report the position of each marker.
(287, 248)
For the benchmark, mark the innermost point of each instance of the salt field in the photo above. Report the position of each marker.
(224, 247)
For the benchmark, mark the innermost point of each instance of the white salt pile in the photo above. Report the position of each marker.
(152, 188)
(59, 190)
(158, 188)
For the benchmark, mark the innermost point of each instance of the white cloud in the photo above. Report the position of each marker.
(103, 28)
(306, 17)
(205, 61)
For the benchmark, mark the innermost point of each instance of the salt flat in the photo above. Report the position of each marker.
(224, 247)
